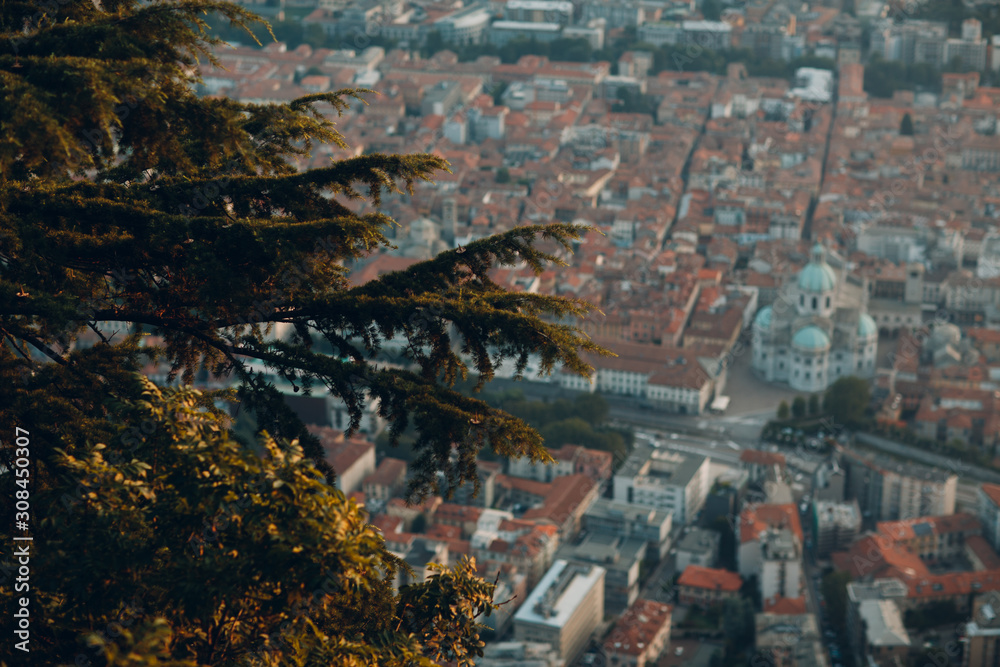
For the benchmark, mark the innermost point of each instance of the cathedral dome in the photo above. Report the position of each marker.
(763, 320)
(811, 338)
(817, 276)
(866, 326)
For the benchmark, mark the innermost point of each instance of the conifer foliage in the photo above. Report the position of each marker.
(126, 198)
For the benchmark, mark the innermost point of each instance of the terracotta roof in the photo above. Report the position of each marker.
(873, 556)
(696, 576)
(456, 512)
(638, 627)
(785, 606)
(909, 529)
(565, 497)
(443, 531)
(387, 472)
(992, 492)
(983, 551)
(760, 458)
(341, 454)
(757, 518)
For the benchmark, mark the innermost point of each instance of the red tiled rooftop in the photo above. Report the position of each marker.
(785, 606)
(992, 492)
(758, 457)
(696, 576)
(939, 525)
(757, 518)
(387, 472)
(638, 627)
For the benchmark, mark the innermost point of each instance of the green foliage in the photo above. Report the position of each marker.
(208, 553)
(834, 590)
(133, 224)
(738, 625)
(906, 126)
(935, 614)
(884, 77)
(814, 406)
(503, 175)
(727, 542)
(561, 422)
(847, 399)
(799, 407)
(711, 9)
(126, 198)
(784, 412)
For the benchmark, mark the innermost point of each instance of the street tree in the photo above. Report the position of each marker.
(799, 407)
(847, 399)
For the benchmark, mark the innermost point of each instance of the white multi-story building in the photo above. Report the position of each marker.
(770, 546)
(817, 331)
(564, 609)
(678, 483)
(781, 565)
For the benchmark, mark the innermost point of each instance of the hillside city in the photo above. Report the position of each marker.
(795, 255)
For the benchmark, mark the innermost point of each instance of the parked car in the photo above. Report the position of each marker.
(679, 650)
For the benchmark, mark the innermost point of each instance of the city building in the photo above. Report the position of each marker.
(835, 525)
(875, 630)
(698, 546)
(564, 609)
(353, 459)
(705, 586)
(678, 483)
(621, 559)
(387, 480)
(817, 331)
(761, 465)
(982, 632)
(770, 539)
(889, 490)
(988, 497)
(520, 654)
(569, 460)
(828, 481)
(788, 640)
(608, 517)
(640, 636)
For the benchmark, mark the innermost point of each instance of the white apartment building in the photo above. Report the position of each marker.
(564, 609)
(678, 483)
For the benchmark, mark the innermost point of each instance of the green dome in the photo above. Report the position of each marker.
(763, 319)
(817, 277)
(866, 326)
(811, 338)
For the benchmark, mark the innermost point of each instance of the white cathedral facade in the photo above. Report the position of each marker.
(816, 331)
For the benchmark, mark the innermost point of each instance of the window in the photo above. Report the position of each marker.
(763, 355)
(802, 299)
(809, 362)
(796, 373)
(781, 365)
(827, 302)
(807, 375)
(814, 303)
(819, 375)
(859, 364)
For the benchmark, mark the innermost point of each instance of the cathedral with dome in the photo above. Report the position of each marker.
(817, 330)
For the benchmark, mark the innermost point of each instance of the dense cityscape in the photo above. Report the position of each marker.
(791, 240)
